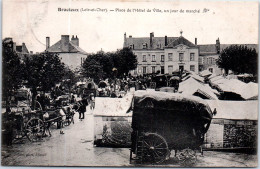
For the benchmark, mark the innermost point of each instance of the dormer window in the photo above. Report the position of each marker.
(132, 46)
(144, 45)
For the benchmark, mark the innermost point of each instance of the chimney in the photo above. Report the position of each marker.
(75, 40)
(166, 41)
(151, 39)
(124, 39)
(31, 52)
(195, 41)
(23, 48)
(218, 46)
(65, 43)
(14, 46)
(47, 42)
(130, 36)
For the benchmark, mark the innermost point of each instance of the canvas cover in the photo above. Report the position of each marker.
(171, 102)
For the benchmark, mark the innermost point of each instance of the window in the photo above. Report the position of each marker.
(153, 69)
(180, 57)
(153, 58)
(170, 69)
(214, 61)
(162, 58)
(192, 55)
(200, 60)
(144, 58)
(162, 69)
(211, 61)
(144, 70)
(169, 56)
(192, 68)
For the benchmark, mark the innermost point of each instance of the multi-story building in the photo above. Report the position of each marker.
(168, 54)
(164, 54)
(68, 50)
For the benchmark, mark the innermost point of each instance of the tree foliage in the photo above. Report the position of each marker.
(12, 69)
(239, 59)
(124, 61)
(70, 76)
(42, 72)
(99, 66)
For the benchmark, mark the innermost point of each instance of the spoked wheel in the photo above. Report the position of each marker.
(34, 129)
(187, 157)
(154, 149)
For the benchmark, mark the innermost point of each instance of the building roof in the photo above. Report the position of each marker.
(157, 43)
(22, 49)
(211, 49)
(19, 48)
(207, 49)
(56, 48)
(181, 40)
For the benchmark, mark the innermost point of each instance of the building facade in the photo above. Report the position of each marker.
(68, 50)
(163, 54)
(170, 54)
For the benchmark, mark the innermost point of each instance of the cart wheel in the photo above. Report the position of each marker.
(155, 148)
(34, 129)
(187, 157)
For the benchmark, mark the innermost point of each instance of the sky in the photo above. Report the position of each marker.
(31, 21)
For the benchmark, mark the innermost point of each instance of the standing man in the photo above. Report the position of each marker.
(82, 109)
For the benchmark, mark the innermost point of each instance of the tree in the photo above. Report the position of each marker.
(125, 61)
(92, 67)
(69, 78)
(99, 66)
(239, 59)
(42, 72)
(11, 66)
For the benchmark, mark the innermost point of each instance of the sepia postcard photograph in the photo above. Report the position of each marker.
(150, 83)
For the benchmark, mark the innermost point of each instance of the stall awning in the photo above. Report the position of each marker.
(191, 86)
(234, 110)
(106, 106)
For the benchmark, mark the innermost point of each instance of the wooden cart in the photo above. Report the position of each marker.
(163, 122)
